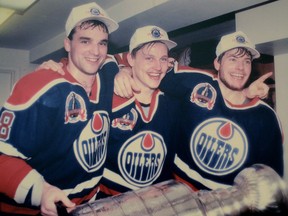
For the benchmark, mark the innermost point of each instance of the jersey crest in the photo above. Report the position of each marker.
(75, 109)
(219, 146)
(204, 95)
(127, 121)
(141, 158)
(91, 147)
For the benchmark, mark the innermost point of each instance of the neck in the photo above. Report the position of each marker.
(233, 96)
(86, 80)
(144, 97)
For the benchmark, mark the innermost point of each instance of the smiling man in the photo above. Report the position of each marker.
(222, 131)
(54, 129)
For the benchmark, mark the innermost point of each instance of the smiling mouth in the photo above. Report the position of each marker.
(92, 59)
(237, 76)
(154, 76)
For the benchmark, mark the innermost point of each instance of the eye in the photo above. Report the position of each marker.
(165, 59)
(248, 62)
(84, 41)
(148, 58)
(104, 43)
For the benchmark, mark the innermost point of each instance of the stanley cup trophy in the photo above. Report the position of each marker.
(256, 190)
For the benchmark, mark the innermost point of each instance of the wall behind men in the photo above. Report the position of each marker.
(13, 65)
(267, 27)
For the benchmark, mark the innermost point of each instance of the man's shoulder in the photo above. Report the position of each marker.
(34, 85)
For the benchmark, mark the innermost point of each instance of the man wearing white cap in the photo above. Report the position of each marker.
(221, 131)
(54, 129)
(141, 144)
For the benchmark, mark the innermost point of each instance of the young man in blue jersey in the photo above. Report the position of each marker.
(54, 129)
(142, 140)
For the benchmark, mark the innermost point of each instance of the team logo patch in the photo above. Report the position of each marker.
(240, 39)
(91, 147)
(219, 146)
(141, 158)
(75, 109)
(204, 95)
(95, 11)
(156, 33)
(127, 122)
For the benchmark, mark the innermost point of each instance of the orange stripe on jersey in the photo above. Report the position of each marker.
(7, 208)
(122, 59)
(176, 177)
(119, 102)
(108, 191)
(30, 85)
(11, 178)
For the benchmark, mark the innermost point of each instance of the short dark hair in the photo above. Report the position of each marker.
(88, 24)
(150, 44)
(241, 51)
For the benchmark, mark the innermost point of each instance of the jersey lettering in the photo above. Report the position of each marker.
(137, 163)
(141, 158)
(215, 153)
(219, 146)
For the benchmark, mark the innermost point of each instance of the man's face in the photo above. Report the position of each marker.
(150, 65)
(87, 50)
(234, 69)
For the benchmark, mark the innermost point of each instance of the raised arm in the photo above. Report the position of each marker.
(258, 88)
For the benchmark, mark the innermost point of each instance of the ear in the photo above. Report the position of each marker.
(216, 64)
(67, 45)
(130, 59)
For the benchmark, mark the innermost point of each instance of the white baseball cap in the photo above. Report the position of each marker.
(234, 40)
(90, 11)
(149, 34)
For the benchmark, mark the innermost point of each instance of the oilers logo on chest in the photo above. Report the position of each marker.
(219, 146)
(141, 158)
(91, 147)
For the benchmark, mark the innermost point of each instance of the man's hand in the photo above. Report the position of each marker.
(258, 88)
(52, 195)
(52, 65)
(124, 84)
(171, 63)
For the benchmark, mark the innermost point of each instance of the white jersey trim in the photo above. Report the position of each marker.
(32, 180)
(196, 176)
(84, 185)
(112, 176)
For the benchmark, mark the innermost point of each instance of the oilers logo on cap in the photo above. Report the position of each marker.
(141, 158)
(240, 39)
(219, 146)
(156, 33)
(95, 11)
(236, 40)
(149, 34)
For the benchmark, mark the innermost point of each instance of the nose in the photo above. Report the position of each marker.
(95, 49)
(240, 65)
(157, 65)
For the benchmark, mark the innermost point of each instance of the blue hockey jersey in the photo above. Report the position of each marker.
(141, 146)
(50, 123)
(219, 139)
